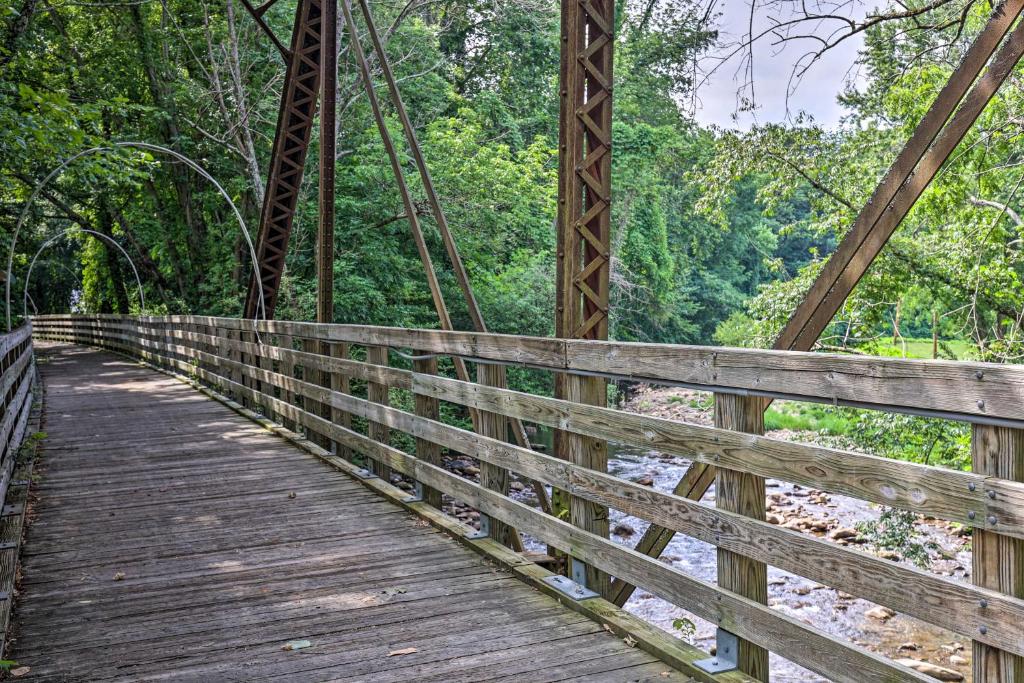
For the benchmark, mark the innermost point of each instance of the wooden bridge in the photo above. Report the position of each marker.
(291, 527)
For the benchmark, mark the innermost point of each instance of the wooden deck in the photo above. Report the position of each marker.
(173, 539)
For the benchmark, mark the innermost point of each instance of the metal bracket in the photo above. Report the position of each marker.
(578, 571)
(10, 510)
(417, 495)
(727, 651)
(20, 482)
(8, 545)
(568, 587)
(485, 529)
(5, 595)
(365, 474)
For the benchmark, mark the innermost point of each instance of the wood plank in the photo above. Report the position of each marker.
(742, 493)
(998, 561)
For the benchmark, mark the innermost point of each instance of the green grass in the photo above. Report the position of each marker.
(922, 348)
(806, 417)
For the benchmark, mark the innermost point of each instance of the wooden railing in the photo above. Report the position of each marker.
(300, 373)
(17, 375)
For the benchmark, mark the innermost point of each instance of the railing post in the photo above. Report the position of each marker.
(340, 383)
(998, 561)
(378, 393)
(315, 376)
(430, 408)
(495, 426)
(287, 368)
(743, 493)
(591, 453)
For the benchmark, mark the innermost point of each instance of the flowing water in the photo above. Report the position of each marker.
(823, 608)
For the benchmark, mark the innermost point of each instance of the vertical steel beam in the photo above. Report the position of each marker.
(328, 145)
(288, 157)
(584, 221)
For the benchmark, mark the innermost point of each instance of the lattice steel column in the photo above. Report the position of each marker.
(584, 219)
(288, 159)
(585, 168)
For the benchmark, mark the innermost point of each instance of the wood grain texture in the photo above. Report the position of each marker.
(744, 494)
(430, 408)
(494, 426)
(378, 392)
(998, 561)
(216, 582)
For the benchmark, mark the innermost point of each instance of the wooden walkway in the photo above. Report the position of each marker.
(172, 539)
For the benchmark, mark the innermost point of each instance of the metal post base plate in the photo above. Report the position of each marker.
(726, 654)
(416, 496)
(566, 586)
(365, 474)
(483, 532)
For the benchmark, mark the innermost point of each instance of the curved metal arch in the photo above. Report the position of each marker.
(113, 147)
(65, 233)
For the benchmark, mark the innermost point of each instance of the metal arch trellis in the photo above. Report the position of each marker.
(65, 233)
(110, 148)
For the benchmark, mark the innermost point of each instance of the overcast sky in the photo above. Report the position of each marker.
(773, 66)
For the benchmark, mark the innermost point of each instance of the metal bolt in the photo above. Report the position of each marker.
(981, 405)
(980, 374)
(992, 494)
(992, 520)
(972, 486)
(984, 604)
(983, 629)
(970, 514)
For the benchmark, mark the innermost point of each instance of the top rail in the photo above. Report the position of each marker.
(980, 393)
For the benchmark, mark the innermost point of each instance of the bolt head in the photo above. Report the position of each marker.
(971, 514)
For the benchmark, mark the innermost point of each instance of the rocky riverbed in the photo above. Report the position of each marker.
(943, 549)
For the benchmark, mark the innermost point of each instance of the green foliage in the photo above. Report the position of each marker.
(928, 441)
(807, 417)
(894, 531)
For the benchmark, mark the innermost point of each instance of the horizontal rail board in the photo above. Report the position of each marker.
(958, 390)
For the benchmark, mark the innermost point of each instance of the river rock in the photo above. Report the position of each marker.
(517, 486)
(909, 646)
(646, 480)
(957, 660)
(928, 669)
(880, 613)
(623, 530)
(773, 518)
(844, 533)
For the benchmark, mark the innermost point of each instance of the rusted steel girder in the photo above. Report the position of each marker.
(328, 147)
(288, 158)
(585, 132)
(584, 233)
(931, 144)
